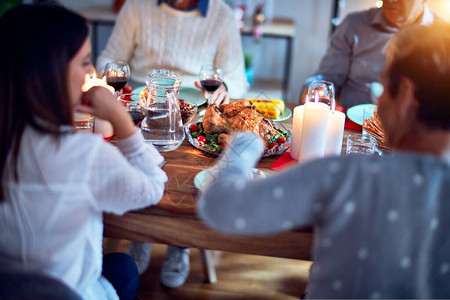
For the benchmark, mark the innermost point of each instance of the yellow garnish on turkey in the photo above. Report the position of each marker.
(269, 108)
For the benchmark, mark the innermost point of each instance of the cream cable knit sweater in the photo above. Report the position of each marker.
(149, 36)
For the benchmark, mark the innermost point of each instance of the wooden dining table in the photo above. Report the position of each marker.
(174, 221)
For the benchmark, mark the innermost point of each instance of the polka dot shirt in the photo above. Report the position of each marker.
(381, 223)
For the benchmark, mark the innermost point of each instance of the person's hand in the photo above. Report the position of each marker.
(218, 97)
(243, 152)
(99, 102)
(244, 149)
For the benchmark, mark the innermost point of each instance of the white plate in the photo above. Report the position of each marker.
(287, 113)
(202, 175)
(355, 113)
(284, 116)
(192, 96)
(137, 91)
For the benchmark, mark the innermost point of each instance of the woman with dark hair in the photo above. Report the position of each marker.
(381, 223)
(56, 183)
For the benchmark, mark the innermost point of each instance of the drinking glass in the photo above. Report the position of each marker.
(360, 144)
(132, 105)
(210, 79)
(83, 122)
(117, 74)
(324, 91)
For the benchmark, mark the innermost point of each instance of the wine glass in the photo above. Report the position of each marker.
(117, 74)
(323, 90)
(210, 79)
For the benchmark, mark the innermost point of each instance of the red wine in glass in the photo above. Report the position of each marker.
(210, 79)
(137, 116)
(117, 82)
(117, 74)
(211, 85)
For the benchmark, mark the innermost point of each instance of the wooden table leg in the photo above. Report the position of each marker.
(111, 245)
(208, 265)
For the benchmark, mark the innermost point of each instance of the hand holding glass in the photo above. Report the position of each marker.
(210, 79)
(117, 74)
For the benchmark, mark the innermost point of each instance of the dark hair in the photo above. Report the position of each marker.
(422, 54)
(38, 43)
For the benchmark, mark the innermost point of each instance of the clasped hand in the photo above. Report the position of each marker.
(99, 102)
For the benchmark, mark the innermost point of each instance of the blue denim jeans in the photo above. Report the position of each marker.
(121, 271)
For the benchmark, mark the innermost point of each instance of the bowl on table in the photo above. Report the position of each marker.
(187, 110)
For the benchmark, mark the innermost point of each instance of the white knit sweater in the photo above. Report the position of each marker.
(149, 36)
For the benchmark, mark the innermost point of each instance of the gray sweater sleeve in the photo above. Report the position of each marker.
(232, 203)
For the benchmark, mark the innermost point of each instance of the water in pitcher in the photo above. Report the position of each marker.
(162, 125)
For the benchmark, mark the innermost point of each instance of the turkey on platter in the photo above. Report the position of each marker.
(237, 116)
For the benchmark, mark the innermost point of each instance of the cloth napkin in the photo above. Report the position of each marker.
(284, 161)
(349, 124)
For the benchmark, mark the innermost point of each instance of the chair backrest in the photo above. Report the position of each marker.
(15, 285)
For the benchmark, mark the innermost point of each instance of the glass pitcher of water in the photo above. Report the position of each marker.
(162, 125)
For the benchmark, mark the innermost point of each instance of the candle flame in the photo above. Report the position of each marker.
(89, 82)
(94, 74)
(333, 105)
(316, 97)
(307, 99)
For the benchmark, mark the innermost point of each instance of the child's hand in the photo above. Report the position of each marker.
(99, 102)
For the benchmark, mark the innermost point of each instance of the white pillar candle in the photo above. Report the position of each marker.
(297, 121)
(335, 133)
(314, 130)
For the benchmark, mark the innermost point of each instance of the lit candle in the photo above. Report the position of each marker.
(94, 81)
(314, 130)
(297, 121)
(335, 131)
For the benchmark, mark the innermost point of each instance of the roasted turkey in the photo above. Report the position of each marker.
(237, 116)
